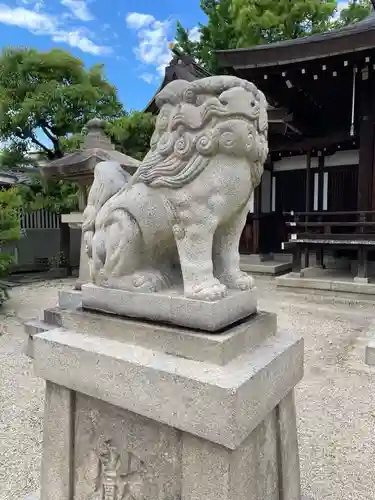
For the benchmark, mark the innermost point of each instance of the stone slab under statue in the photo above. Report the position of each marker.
(170, 306)
(185, 390)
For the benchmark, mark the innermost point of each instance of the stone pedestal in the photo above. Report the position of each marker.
(136, 410)
(74, 220)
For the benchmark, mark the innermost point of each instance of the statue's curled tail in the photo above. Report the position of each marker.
(109, 179)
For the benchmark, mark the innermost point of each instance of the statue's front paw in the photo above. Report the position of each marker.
(210, 291)
(239, 281)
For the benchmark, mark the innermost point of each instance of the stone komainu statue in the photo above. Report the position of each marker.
(177, 221)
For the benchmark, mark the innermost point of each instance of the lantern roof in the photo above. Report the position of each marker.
(80, 165)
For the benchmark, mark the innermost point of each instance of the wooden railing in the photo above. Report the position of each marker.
(359, 225)
(354, 231)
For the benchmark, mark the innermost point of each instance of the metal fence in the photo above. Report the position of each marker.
(39, 245)
(39, 219)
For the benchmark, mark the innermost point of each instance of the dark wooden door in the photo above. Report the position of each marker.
(290, 195)
(290, 191)
(342, 188)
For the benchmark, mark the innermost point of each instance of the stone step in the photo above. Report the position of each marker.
(32, 328)
(52, 317)
(325, 297)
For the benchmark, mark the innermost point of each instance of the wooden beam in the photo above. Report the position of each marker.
(309, 143)
(359, 36)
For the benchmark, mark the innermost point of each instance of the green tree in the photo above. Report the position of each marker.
(218, 33)
(132, 133)
(245, 23)
(15, 155)
(10, 231)
(354, 12)
(267, 21)
(55, 196)
(45, 96)
(59, 197)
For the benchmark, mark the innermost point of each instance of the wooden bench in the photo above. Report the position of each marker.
(353, 232)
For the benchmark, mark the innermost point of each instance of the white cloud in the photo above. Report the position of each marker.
(37, 5)
(148, 77)
(80, 41)
(28, 19)
(79, 9)
(194, 34)
(153, 45)
(45, 24)
(136, 20)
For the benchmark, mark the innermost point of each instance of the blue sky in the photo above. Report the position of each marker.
(129, 36)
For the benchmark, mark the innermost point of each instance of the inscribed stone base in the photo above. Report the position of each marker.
(170, 306)
(127, 419)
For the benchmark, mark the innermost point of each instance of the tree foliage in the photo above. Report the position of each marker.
(58, 197)
(10, 231)
(55, 196)
(245, 23)
(219, 33)
(132, 133)
(15, 156)
(355, 11)
(267, 21)
(45, 96)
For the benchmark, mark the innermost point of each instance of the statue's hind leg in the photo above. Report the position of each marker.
(124, 245)
(126, 259)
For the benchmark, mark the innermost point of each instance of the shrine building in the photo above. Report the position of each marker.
(317, 195)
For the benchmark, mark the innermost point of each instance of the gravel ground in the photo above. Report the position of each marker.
(335, 403)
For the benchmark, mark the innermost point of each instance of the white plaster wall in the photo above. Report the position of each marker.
(294, 163)
(299, 162)
(342, 158)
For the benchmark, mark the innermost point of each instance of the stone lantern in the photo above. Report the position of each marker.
(79, 167)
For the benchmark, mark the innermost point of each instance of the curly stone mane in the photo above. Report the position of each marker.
(200, 119)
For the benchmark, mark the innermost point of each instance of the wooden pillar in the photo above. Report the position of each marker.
(366, 141)
(321, 159)
(362, 273)
(256, 222)
(297, 259)
(307, 200)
